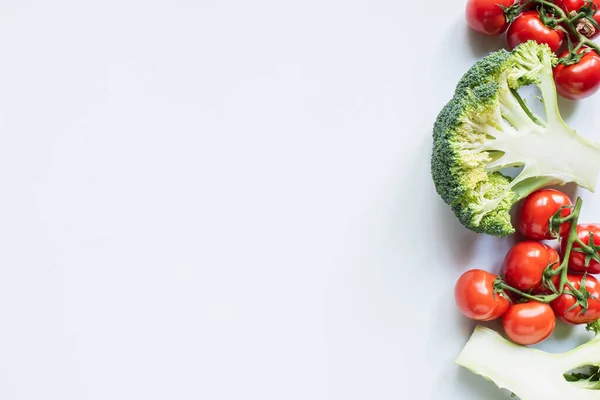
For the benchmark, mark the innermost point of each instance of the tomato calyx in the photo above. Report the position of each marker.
(594, 327)
(585, 24)
(552, 272)
(549, 275)
(591, 250)
(499, 289)
(579, 25)
(557, 220)
(549, 19)
(581, 295)
(511, 13)
(574, 56)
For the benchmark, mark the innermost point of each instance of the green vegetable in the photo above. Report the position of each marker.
(533, 374)
(487, 128)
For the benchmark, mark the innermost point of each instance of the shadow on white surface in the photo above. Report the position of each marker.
(480, 387)
(455, 333)
(457, 236)
(567, 107)
(481, 45)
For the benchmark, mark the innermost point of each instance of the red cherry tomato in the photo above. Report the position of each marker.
(566, 308)
(536, 211)
(475, 297)
(577, 260)
(581, 80)
(529, 323)
(486, 16)
(528, 26)
(575, 5)
(524, 265)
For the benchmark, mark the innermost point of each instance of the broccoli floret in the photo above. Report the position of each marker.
(487, 127)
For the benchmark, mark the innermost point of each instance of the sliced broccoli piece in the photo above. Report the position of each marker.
(529, 373)
(487, 128)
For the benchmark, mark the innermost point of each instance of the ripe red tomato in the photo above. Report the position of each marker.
(529, 323)
(486, 16)
(475, 297)
(581, 80)
(575, 316)
(536, 211)
(577, 259)
(575, 5)
(529, 26)
(524, 265)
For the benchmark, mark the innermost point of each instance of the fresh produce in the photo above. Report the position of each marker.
(487, 128)
(533, 374)
(566, 26)
(574, 6)
(536, 211)
(529, 26)
(585, 256)
(485, 131)
(576, 308)
(528, 323)
(477, 298)
(580, 79)
(541, 290)
(533, 273)
(486, 16)
(525, 264)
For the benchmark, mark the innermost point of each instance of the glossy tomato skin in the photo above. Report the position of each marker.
(529, 26)
(581, 80)
(486, 16)
(577, 259)
(536, 211)
(529, 323)
(575, 5)
(575, 316)
(524, 264)
(475, 297)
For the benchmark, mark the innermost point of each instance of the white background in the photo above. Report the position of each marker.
(232, 200)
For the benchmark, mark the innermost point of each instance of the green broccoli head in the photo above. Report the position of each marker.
(487, 128)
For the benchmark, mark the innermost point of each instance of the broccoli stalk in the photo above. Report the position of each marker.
(487, 128)
(533, 374)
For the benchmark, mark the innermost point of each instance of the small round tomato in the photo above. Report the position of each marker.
(524, 264)
(486, 16)
(528, 26)
(536, 211)
(566, 308)
(475, 296)
(529, 323)
(582, 262)
(575, 5)
(581, 80)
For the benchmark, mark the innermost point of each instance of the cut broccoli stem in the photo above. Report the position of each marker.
(555, 152)
(534, 117)
(550, 101)
(530, 185)
(529, 373)
(514, 111)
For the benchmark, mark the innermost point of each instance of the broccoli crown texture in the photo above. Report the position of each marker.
(487, 127)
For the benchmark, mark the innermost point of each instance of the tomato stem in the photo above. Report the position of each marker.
(568, 21)
(572, 238)
(562, 270)
(542, 299)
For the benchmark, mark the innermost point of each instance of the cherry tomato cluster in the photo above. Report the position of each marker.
(566, 26)
(538, 283)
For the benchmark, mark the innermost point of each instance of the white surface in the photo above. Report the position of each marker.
(232, 200)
